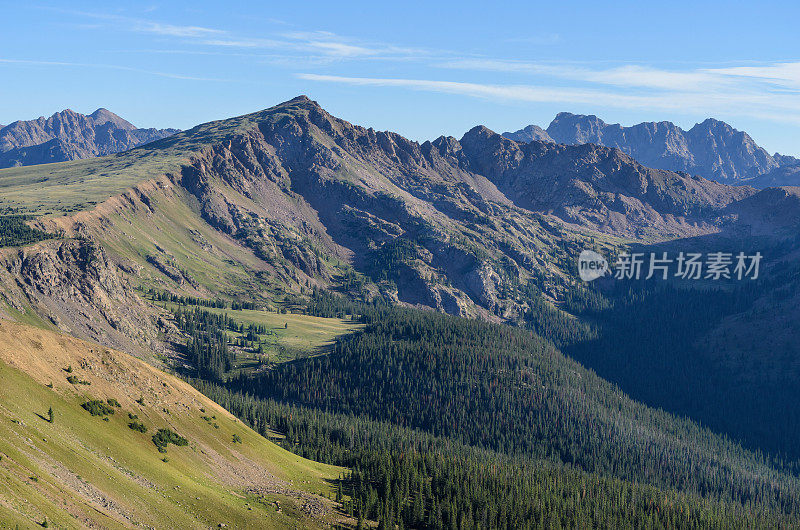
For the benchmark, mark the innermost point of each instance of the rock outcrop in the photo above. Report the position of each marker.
(74, 285)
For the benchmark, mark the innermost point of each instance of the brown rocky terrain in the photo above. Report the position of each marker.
(73, 286)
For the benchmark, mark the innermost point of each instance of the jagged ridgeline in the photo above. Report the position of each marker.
(69, 135)
(292, 196)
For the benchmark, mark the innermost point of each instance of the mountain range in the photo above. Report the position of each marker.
(455, 225)
(712, 149)
(439, 282)
(69, 135)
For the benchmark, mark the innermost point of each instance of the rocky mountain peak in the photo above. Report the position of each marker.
(302, 98)
(569, 128)
(712, 148)
(529, 134)
(102, 116)
(479, 131)
(70, 135)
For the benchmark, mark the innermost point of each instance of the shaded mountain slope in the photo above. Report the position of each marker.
(599, 187)
(788, 175)
(773, 212)
(725, 353)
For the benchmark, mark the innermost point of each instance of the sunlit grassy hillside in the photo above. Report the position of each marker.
(82, 470)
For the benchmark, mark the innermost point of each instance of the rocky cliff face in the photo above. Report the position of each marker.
(712, 149)
(74, 285)
(457, 225)
(68, 135)
(597, 186)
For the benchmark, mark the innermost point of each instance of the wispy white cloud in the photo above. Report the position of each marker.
(140, 24)
(330, 48)
(170, 75)
(320, 44)
(623, 76)
(529, 93)
(173, 30)
(785, 74)
(741, 101)
(324, 44)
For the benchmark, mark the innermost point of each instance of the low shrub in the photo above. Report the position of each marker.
(73, 379)
(164, 437)
(96, 407)
(138, 426)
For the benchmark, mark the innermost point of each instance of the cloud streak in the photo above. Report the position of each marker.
(767, 91)
(676, 95)
(324, 44)
(169, 75)
(172, 30)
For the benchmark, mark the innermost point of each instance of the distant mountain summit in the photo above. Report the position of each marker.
(712, 149)
(529, 134)
(69, 135)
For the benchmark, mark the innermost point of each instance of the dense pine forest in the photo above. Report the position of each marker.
(405, 478)
(448, 422)
(207, 347)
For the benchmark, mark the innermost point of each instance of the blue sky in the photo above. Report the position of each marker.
(421, 69)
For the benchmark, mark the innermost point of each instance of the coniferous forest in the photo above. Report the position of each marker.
(15, 232)
(453, 423)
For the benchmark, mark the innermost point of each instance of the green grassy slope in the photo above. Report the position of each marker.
(81, 470)
(176, 235)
